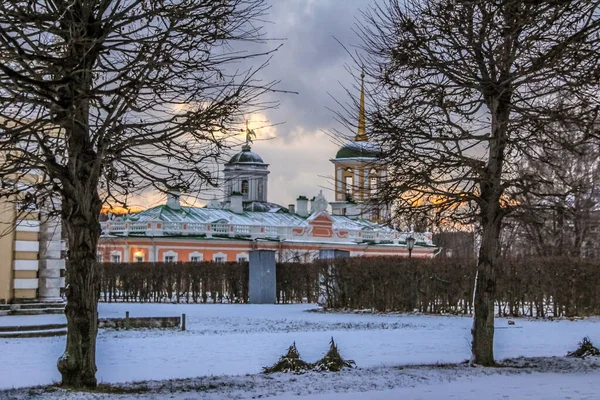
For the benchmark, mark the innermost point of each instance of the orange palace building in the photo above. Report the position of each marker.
(245, 220)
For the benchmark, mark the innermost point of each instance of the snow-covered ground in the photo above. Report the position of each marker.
(533, 379)
(241, 339)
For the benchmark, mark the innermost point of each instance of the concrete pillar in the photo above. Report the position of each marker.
(262, 284)
(51, 263)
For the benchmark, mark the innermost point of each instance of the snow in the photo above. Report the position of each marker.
(500, 387)
(554, 378)
(231, 339)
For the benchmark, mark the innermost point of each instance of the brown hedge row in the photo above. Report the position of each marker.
(537, 286)
(174, 282)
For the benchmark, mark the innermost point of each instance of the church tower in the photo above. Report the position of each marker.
(246, 174)
(358, 173)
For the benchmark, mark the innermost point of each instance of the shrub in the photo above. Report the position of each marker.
(585, 349)
(333, 361)
(290, 362)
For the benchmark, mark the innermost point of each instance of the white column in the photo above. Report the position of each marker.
(265, 185)
(365, 185)
(356, 182)
(126, 253)
(51, 263)
(338, 181)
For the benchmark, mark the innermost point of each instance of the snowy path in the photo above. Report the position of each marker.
(500, 387)
(240, 339)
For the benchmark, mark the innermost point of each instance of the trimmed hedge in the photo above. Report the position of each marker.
(174, 282)
(534, 286)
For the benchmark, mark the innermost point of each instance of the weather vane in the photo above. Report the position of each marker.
(249, 134)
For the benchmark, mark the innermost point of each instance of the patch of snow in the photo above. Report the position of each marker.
(241, 339)
(551, 378)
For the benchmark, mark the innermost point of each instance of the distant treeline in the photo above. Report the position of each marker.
(533, 286)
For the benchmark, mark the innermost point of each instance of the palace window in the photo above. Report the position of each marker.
(116, 258)
(220, 257)
(196, 256)
(170, 257)
(138, 256)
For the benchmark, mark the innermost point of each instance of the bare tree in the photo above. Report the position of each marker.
(460, 92)
(557, 215)
(105, 98)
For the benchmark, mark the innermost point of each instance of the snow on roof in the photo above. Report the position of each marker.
(211, 215)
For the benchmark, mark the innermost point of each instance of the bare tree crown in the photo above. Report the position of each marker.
(142, 93)
(463, 91)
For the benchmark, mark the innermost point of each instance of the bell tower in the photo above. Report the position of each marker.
(246, 173)
(358, 174)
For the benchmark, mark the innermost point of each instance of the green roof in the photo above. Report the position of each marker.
(357, 150)
(246, 156)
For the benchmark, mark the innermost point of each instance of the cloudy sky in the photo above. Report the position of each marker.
(312, 63)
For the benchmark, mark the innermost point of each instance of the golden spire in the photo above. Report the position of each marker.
(361, 135)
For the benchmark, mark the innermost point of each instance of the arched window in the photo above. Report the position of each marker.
(220, 257)
(245, 187)
(373, 182)
(170, 256)
(115, 256)
(375, 214)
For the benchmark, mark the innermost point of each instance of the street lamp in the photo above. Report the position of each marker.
(410, 242)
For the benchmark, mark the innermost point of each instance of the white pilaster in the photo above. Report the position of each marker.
(51, 262)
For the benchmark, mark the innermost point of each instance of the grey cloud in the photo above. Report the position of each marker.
(311, 61)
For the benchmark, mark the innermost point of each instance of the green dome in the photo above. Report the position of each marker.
(247, 157)
(357, 150)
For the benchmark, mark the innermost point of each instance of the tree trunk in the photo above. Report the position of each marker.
(78, 363)
(482, 346)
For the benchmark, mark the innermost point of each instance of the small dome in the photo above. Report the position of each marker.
(358, 150)
(247, 157)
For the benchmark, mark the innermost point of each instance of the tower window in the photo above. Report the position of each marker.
(348, 185)
(375, 214)
(373, 184)
(245, 187)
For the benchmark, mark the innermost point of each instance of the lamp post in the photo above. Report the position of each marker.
(410, 242)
